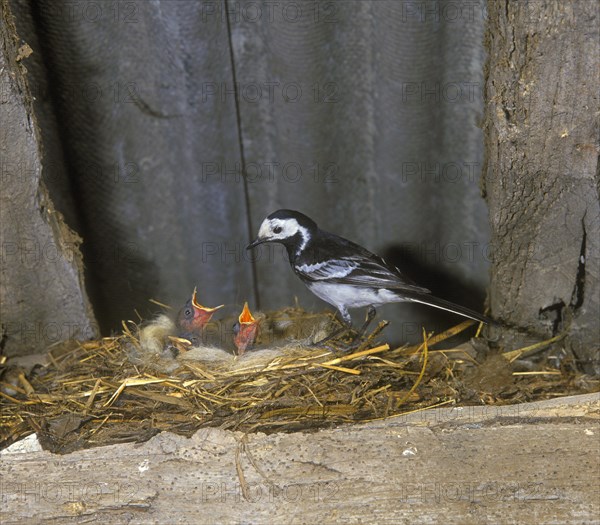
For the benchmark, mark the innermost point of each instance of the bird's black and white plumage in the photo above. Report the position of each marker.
(341, 272)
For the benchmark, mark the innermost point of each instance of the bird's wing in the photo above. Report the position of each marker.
(357, 269)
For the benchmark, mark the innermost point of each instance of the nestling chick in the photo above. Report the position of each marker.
(291, 325)
(193, 317)
(245, 330)
(189, 324)
(257, 338)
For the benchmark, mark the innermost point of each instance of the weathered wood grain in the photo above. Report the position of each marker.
(542, 169)
(42, 299)
(531, 463)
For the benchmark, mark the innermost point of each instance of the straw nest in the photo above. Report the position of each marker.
(130, 387)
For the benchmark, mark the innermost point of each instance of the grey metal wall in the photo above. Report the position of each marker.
(364, 115)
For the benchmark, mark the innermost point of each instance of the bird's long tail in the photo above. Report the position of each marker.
(436, 302)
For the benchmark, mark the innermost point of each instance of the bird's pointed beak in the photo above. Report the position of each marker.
(255, 243)
(248, 330)
(203, 310)
(246, 316)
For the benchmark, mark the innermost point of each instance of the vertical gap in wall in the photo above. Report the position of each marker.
(242, 156)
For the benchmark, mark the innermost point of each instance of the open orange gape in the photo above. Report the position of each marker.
(245, 330)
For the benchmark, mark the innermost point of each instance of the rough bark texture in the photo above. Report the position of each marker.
(541, 176)
(532, 463)
(42, 300)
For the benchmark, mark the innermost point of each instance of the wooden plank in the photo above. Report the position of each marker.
(530, 463)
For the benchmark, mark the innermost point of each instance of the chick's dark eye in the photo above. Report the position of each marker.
(277, 229)
(187, 312)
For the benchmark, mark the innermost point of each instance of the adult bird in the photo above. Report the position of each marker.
(343, 273)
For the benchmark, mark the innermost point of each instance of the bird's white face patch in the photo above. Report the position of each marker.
(280, 229)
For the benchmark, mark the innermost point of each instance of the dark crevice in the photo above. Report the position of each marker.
(578, 290)
(555, 313)
(242, 154)
(3, 338)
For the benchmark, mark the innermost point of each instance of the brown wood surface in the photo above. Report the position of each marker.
(42, 298)
(531, 463)
(542, 171)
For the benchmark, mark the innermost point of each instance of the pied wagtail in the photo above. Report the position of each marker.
(343, 273)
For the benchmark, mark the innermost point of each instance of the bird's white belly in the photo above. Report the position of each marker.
(348, 296)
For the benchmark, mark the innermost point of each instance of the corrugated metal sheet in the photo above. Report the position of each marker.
(364, 115)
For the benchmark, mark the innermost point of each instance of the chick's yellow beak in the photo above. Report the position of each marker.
(246, 316)
(246, 330)
(198, 307)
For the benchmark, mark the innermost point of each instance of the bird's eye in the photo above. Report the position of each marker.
(188, 312)
(277, 229)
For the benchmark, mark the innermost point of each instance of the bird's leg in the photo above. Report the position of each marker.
(370, 316)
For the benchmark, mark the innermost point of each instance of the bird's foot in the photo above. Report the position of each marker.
(371, 312)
